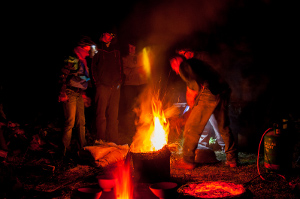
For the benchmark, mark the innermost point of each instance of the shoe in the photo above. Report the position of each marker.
(181, 164)
(232, 164)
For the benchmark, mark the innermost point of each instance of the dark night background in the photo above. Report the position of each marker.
(253, 43)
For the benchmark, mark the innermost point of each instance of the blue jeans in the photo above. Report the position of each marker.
(207, 104)
(107, 108)
(74, 117)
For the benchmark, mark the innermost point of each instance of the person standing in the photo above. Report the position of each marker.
(207, 94)
(134, 84)
(107, 76)
(73, 81)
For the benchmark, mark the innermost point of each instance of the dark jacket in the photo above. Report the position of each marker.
(197, 74)
(106, 66)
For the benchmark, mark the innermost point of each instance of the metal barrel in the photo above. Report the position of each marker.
(152, 166)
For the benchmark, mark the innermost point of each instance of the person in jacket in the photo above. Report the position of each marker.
(207, 93)
(206, 135)
(107, 76)
(134, 84)
(73, 81)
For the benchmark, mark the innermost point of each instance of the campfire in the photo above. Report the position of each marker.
(149, 151)
(150, 154)
(153, 129)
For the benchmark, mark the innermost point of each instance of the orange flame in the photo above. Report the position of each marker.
(159, 136)
(153, 128)
(146, 61)
(124, 186)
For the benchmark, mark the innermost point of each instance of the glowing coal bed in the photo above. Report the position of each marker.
(214, 189)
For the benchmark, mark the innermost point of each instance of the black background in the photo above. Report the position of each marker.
(256, 40)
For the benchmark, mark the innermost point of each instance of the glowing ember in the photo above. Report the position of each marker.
(213, 189)
(153, 129)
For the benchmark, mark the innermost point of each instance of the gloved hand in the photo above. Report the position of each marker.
(63, 97)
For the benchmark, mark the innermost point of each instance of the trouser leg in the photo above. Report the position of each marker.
(69, 114)
(112, 116)
(222, 117)
(80, 121)
(101, 101)
(195, 124)
(214, 124)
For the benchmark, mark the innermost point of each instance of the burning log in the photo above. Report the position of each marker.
(152, 166)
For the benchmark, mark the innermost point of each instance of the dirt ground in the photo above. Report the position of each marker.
(34, 169)
(40, 180)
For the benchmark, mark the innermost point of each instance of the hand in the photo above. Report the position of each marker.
(190, 97)
(87, 101)
(190, 102)
(63, 97)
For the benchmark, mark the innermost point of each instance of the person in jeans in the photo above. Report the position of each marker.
(206, 134)
(107, 75)
(73, 81)
(207, 94)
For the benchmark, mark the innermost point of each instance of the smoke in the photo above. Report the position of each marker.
(214, 24)
(241, 42)
(166, 22)
(161, 24)
(174, 21)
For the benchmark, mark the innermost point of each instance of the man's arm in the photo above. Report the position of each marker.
(191, 96)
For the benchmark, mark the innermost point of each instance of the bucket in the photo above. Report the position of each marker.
(151, 167)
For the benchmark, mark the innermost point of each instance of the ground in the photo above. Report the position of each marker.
(41, 182)
(34, 169)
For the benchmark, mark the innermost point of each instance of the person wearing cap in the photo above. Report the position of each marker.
(207, 94)
(73, 82)
(107, 75)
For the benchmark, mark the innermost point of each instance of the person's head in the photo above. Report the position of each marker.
(107, 37)
(83, 48)
(175, 63)
(187, 53)
(131, 49)
(85, 42)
